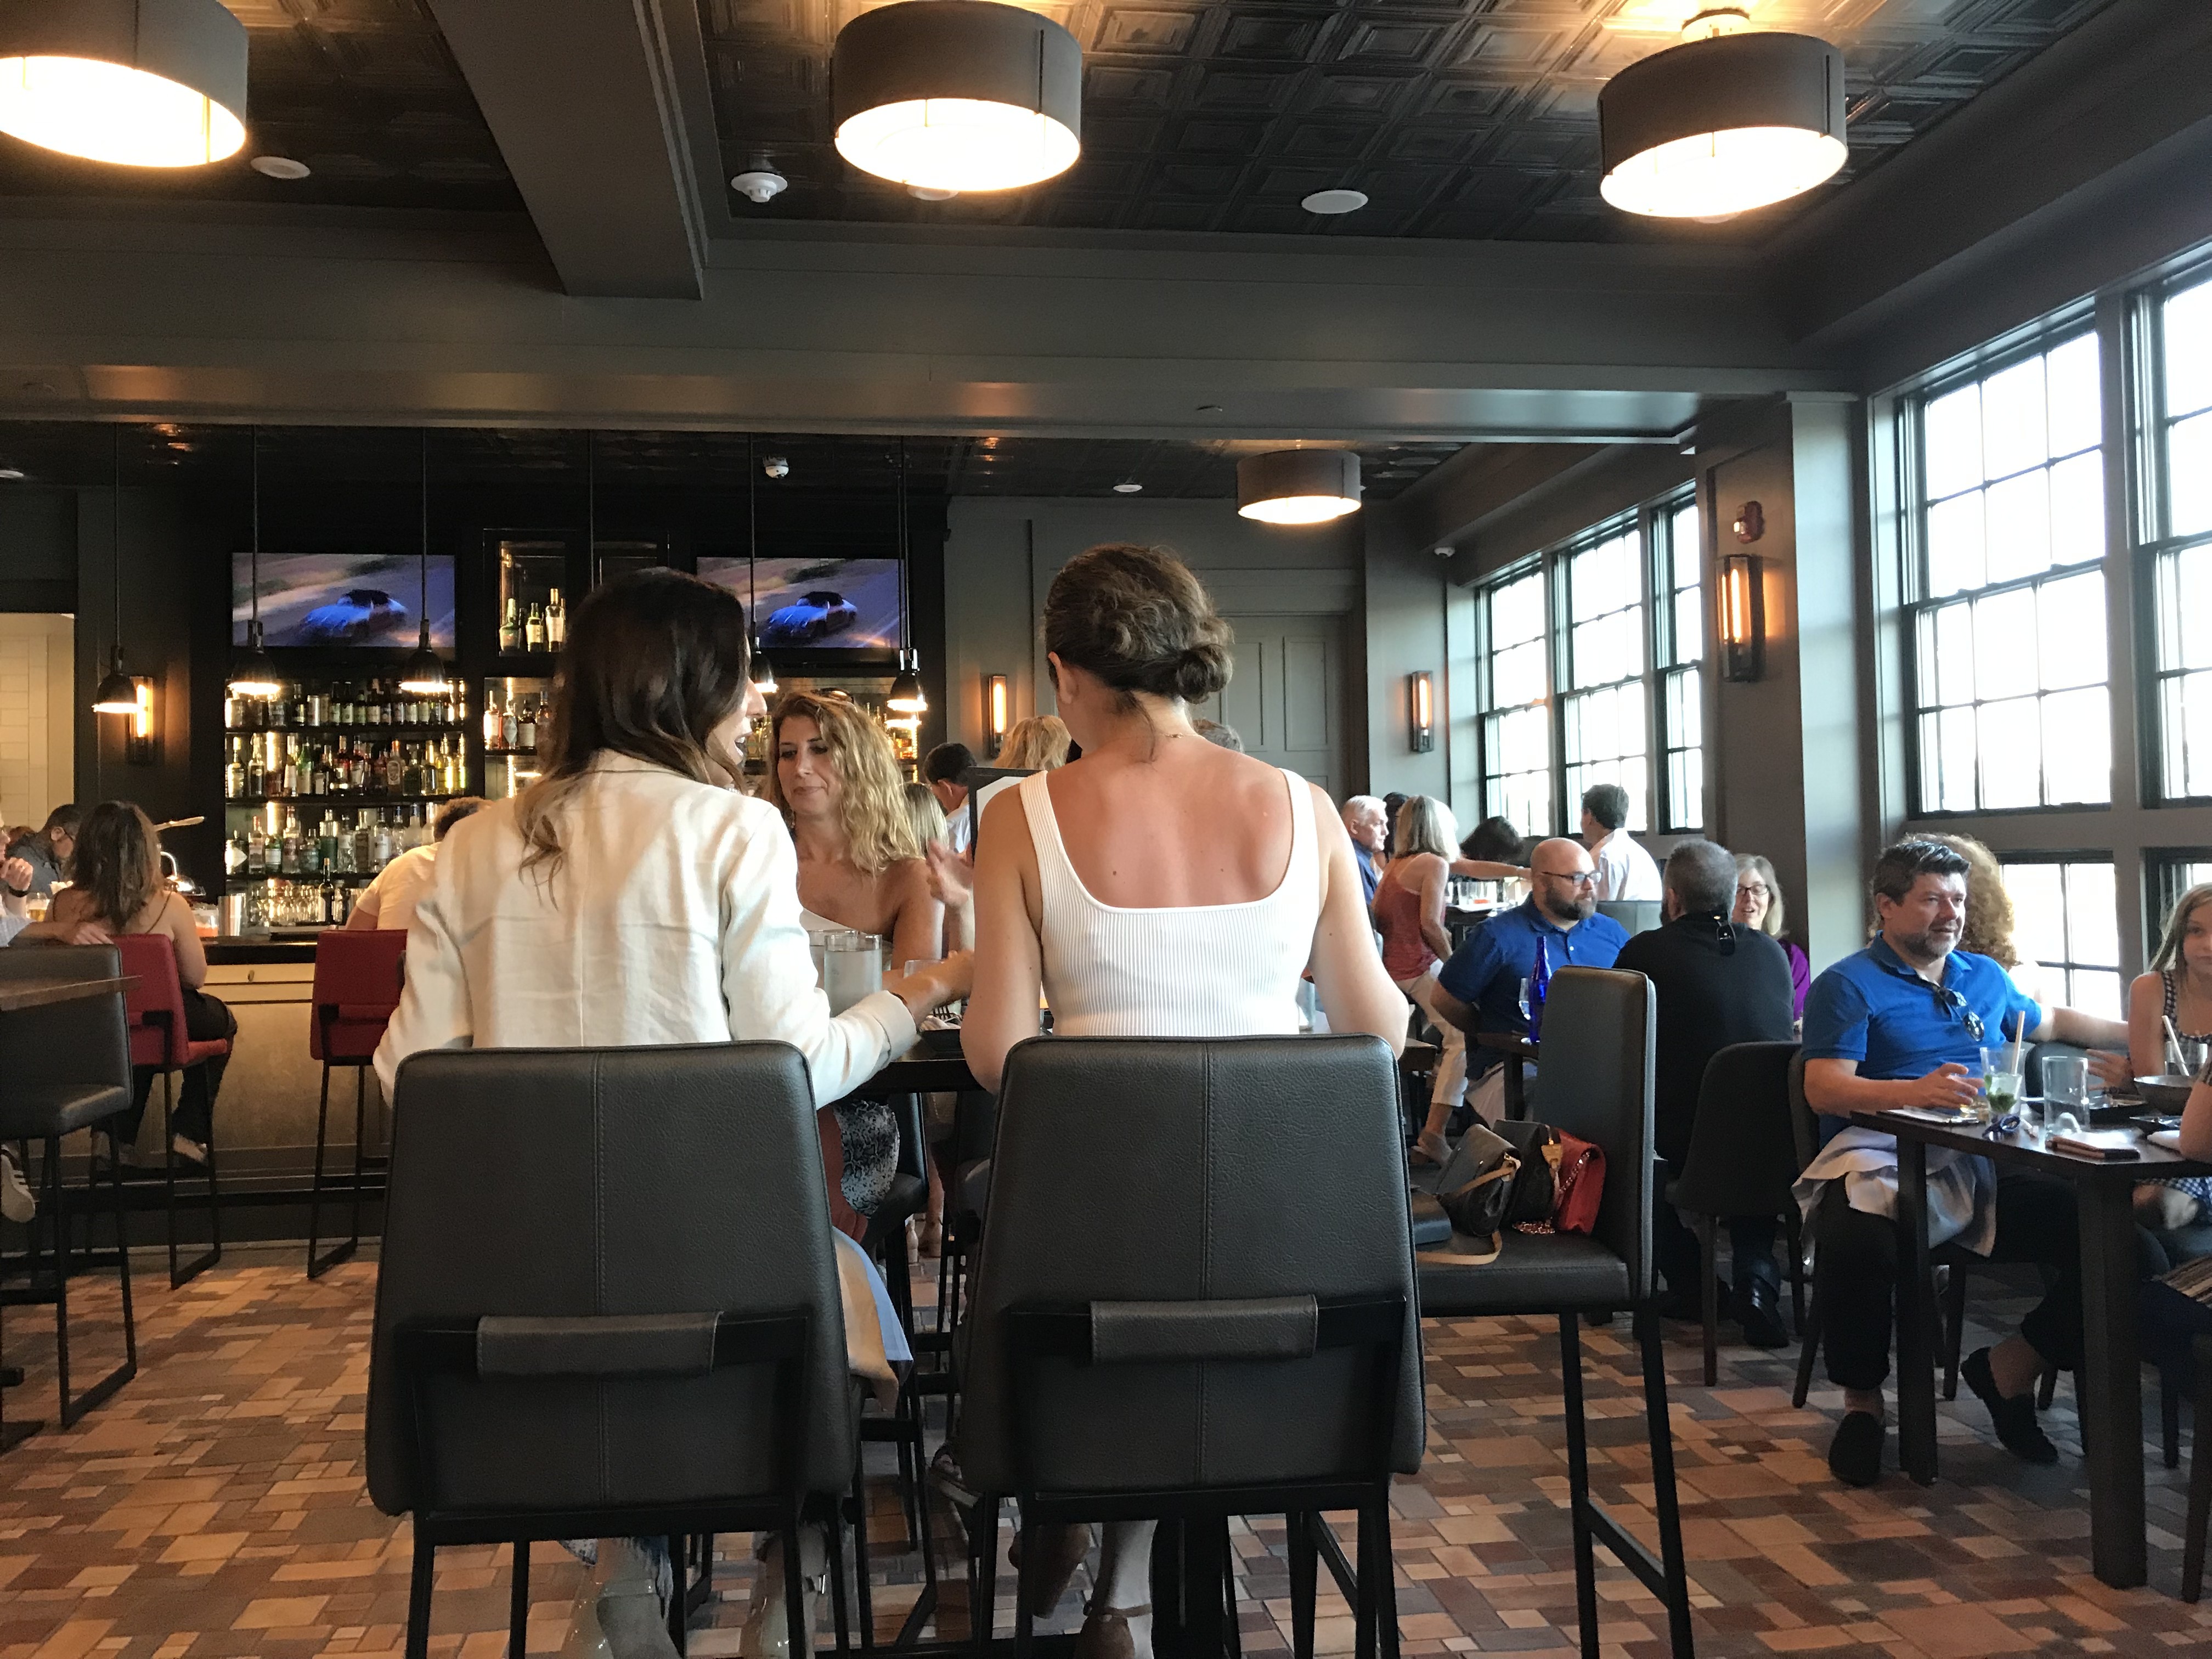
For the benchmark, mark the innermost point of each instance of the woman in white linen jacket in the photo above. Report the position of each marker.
(633, 897)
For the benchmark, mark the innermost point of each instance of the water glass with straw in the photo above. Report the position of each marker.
(2000, 1076)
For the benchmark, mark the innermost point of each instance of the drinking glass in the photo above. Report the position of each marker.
(2001, 1088)
(851, 966)
(2066, 1082)
(2192, 1055)
(1524, 998)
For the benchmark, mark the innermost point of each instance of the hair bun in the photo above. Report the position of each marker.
(1200, 670)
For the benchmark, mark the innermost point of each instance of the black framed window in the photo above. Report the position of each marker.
(2011, 700)
(1677, 570)
(1603, 715)
(2182, 576)
(2066, 923)
(1516, 721)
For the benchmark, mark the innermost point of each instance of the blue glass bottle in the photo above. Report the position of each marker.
(1540, 982)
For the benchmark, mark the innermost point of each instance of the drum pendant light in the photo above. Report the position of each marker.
(253, 674)
(957, 94)
(426, 674)
(1299, 486)
(116, 694)
(149, 83)
(1723, 123)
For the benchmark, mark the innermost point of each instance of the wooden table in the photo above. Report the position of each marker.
(16, 996)
(1518, 1051)
(2109, 1388)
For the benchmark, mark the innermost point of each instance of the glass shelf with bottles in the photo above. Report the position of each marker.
(286, 902)
(514, 712)
(365, 765)
(533, 618)
(346, 706)
(319, 841)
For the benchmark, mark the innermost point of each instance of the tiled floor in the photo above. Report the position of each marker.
(217, 1508)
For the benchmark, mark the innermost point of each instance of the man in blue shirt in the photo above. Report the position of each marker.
(1480, 989)
(1902, 1023)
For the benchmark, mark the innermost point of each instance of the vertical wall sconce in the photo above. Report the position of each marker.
(141, 744)
(1421, 710)
(997, 709)
(1743, 618)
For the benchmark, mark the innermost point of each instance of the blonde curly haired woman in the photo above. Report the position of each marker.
(834, 777)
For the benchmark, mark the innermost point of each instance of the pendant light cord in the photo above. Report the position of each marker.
(904, 600)
(253, 594)
(423, 569)
(115, 544)
(752, 535)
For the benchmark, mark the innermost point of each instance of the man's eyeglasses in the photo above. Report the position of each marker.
(1579, 878)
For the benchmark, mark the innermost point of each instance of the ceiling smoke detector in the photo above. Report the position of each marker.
(279, 167)
(776, 466)
(1334, 201)
(1126, 487)
(760, 185)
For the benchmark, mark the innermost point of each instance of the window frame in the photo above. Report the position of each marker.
(2154, 545)
(2067, 967)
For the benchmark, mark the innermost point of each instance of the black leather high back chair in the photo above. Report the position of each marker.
(608, 1304)
(64, 1068)
(1598, 1043)
(1742, 1160)
(1635, 915)
(1193, 1299)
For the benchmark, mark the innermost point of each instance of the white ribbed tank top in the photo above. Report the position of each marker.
(1178, 970)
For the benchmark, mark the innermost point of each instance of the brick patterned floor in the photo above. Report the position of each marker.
(217, 1508)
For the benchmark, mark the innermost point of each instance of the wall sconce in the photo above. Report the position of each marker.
(141, 743)
(1743, 618)
(1421, 710)
(998, 711)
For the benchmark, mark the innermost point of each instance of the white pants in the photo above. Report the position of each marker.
(1451, 1070)
(1487, 1096)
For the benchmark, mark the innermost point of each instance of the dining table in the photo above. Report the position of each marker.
(2108, 1387)
(18, 996)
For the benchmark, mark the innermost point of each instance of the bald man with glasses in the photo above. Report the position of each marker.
(1479, 989)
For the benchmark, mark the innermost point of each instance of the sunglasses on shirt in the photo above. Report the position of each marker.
(1951, 1002)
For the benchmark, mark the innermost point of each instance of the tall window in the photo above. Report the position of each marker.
(2066, 922)
(1516, 727)
(1681, 637)
(2184, 580)
(1602, 710)
(2011, 703)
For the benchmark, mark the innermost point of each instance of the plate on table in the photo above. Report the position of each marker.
(943, 1042)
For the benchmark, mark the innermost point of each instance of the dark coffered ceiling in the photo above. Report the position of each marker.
(364, 92)
(1472, 118)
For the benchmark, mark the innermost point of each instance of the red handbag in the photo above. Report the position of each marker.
(1580, 1184)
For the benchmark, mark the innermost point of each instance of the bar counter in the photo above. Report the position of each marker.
(265, 1118)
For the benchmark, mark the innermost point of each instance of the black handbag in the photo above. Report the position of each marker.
(1535, 1192)
(1476, 1187)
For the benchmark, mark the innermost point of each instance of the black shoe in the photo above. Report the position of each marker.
(1855, 1454)
(2015, 1419)
(1759, 1310)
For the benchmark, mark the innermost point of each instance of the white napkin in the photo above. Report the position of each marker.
(2169, 1138)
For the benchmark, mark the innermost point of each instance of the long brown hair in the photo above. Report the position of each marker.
(872, 797)
(117, 864)
(2176, 927)
(655, 660)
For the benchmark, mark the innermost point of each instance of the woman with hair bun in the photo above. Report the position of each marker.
(1161, 886)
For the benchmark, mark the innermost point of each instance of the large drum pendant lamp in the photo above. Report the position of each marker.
(1299, 486)
(149, 84)
(1721, 125)
(957, 94)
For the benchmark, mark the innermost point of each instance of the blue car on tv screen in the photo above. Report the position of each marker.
(359, 615)
(816, 615)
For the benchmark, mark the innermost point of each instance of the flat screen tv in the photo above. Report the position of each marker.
(836, 604)
(329, 600)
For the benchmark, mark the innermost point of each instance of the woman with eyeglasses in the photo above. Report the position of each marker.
(1758, 904)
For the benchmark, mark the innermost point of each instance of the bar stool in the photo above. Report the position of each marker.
(69, 1070)
(357, 980)
(160, 1043)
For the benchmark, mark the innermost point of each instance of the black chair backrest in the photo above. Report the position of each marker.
(1598, 1038)
(2031, 1081)
(1804, 1121)
(1179, 1170)
(1635, 915)
(86, 1042)
(1743, 1147)
(566, 1183)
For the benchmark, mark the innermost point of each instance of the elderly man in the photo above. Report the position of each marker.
(1480, 989)
(1362, 822)
(1716, 984)
(1902, 1023)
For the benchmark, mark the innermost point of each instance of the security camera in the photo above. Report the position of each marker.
(776, 467)
(760, 185)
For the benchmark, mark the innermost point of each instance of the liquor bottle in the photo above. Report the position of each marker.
(1540, 986)
(364, 841)
(395, 770)
(257, 848)
(289, 854)
(491, 720)
(533, 629)
(510, 727)
(556, 621)
(385, 849)
(234, 769)
(326, 840)
(510, 631)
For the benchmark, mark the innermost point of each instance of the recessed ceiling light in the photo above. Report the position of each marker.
(278, 167)
(1334, 201)
(1128, 487)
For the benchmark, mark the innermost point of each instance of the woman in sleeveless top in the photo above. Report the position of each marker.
(836, 783)
(1159, 886)
(1409, 913)
(2178, 988)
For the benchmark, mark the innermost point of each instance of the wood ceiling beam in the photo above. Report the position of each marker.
(580, 95)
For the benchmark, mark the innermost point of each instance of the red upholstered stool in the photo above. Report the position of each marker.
(357, 979)
(159, 1043)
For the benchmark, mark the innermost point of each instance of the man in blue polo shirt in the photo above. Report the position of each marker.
(1480, 986)
(1902, 1023)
